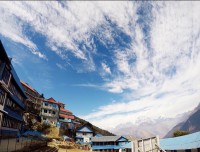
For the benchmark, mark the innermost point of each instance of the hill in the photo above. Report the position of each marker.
(192, 124)
(94, 128)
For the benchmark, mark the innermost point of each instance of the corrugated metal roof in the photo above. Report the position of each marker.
(105, 147)
(126, 146)
(84, 128)
(105, 138)
(190, 141)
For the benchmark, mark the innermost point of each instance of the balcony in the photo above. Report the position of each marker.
(65, 120)
(13, 114)
(50, 107)
(49, 115)
(16, 100)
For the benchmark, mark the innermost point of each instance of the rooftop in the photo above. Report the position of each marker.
(26, 85)
(65, 110)
(105, 138)
(66, 116)
(191, 141)
(52, 100)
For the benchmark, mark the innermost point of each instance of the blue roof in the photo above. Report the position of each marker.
(79, 137)
(65, 120)
(32, 133)
(13, 114)
(190, 141)
(16, 78)
(84, 129)
(98, 135)
(16, 100)
(122, 139)
(128, 145)
(105, 147)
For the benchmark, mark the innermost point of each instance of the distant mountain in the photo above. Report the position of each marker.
(94, 128)
(192, 124)
(147, 128)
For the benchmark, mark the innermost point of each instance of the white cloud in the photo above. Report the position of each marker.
(60, 66)
(105, 68)
(11, 27)
(164, 77)
(65, 26)
(156, 70)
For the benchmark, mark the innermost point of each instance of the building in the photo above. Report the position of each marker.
(66, 120)
(66, 117)
(110, 143)
(84, 135)
(12, 97)
(187, 143)
(34, 101)
(49, 111)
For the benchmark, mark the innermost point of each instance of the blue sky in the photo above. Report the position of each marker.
(109, 62)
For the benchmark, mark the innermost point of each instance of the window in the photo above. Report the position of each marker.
(10, 122)
(6, 75)
(15, 91)
(44, 118)
(54, 106)
(49, 111)
(54, 112)
(46, 104)
(1, 96)
(45, 111)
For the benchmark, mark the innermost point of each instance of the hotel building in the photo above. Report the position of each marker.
(12, 97)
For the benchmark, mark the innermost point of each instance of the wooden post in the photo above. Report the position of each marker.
(142, 145)
(132, 147)
(151, 146)
(158, 142)
(136, 145)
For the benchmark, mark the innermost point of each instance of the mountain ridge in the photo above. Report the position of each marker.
(191, 124)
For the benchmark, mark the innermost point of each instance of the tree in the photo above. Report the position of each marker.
(178, 133)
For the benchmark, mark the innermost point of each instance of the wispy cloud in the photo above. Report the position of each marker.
(60, 66)
(160, 68)
(146, 51)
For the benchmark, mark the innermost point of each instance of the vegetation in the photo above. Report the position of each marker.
(178, 133)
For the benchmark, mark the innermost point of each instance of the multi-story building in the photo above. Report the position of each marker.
(12, 97)
(84, 134)
(50, 111)
(34, 101)
(66, 119)
(110, 143)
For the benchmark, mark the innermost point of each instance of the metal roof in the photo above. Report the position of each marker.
(191, 141)
(84, 128)
(126, 146)
(13, 114)
(105, 138)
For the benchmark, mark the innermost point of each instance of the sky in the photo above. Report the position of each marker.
(110, 62)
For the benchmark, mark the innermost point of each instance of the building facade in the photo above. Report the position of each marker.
(109, 143)
(66, 117)
(49, 111)
(84, 135)
(34, 101)
(12, 97)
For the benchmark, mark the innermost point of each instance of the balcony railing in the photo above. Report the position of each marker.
(49, 114)
(50, 107)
